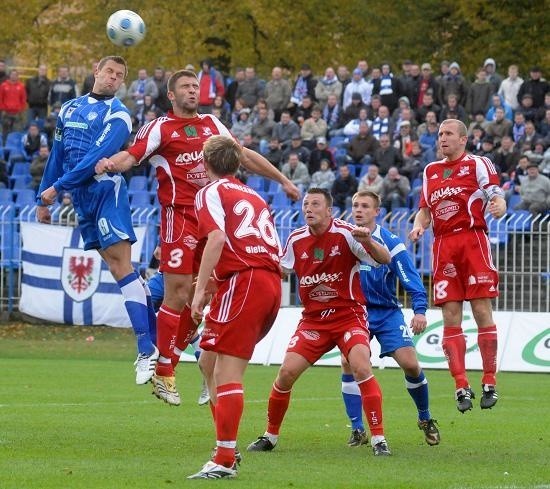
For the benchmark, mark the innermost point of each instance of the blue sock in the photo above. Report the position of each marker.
(136, 305)
(195, 344)
(352, 400)
(418, 389)
(151, 315)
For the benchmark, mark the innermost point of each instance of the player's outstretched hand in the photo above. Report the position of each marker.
(291, 191)
(418, 323)
(104, 165)
(361, 234)
(48, 196)
(416, 233)
(200, 299)
(43, 214)
(497, 207)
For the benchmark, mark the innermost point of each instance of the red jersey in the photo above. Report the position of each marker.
(327, 267)
(174, 147)
(457, 193)
(251, 240)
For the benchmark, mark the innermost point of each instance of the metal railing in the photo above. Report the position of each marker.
(519, 242)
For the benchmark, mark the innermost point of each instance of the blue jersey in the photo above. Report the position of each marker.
(379, 283)
(87, 130)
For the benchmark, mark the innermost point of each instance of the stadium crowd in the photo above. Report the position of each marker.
(370, 128)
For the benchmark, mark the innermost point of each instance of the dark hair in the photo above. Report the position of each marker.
(177, 75)
(119, 60)
(321, 191)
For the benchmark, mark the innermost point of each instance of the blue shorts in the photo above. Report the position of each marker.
(104, 215)
(156, 286)
(389, 328)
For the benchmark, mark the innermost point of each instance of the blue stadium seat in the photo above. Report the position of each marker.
(498, 230)
(6, 196)
(381, 215)
(424, 253)
(21, 182)
(256, 182)
(21, 169)
(281, 201)
(140, 198)
(337, 141)
(274, 188)
(137, 183)
(520, 221)
(13, 144)
(514, 200)
(25, 197)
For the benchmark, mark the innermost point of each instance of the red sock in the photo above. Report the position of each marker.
(229, 409)
(488, 343)
(276, 409)
(454, 346)
(186, 332)
(167, 328)
(371, 398)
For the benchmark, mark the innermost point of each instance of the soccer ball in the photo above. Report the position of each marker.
(125, 28)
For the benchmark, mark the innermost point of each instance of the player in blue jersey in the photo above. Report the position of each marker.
(386, 321)
(89, 128)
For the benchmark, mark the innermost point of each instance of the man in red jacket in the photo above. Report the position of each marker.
(13, 102)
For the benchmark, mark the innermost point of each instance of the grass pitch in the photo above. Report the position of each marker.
(71, 417)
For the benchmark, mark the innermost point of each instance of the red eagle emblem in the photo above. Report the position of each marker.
(80, 276)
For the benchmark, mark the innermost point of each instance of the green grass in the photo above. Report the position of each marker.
(71, 417)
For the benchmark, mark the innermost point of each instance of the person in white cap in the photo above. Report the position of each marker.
(492, 76)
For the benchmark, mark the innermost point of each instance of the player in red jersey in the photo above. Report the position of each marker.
(174, 146)
(242, 254)
(326, 254)
(456, 193)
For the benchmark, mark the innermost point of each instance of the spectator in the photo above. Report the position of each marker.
(510, 86)
(319, 153)
(492, 76)
(500, 127)
(314, 127)
(536, 153)
(395, 190)
(141, 87)
(361, 148)
(534, 191)
(344, 78)
(67, 214)
(518, 176)
(351, 112)
(530, 135)
(243, 125)
(224, 109)
(210, 85)
(403, 142)
(536, 86)
(277, 93)
(89, 80)
(3, 75)
(372, 109)
(388, 88)
(32, 140)
(428, 131)
(427, 105)
(518, 128)
(38, 89)
(453, 110)
(4, 178)
(496, 102)
(413, 163)
(544, 126)
(304, 85)
(332, 113)
(371, 180)
(261, 104)
(386, 155)
(328, 85)
(382, 124)
(139, 116)
(250, 89)
(479, 94)
(248, 142)
(526, 107)
(343, 188)
(296, 146)
(357, 85)
(324, 177)
(274, 153)
(261, 130)
(475, 139)
(13, 103)
(296, 171)
(303, 112)
(352, 127)
(453, 83)
(285, 129)
(479, 120)
(406, 115)
(161, 81)
(487, 148)
(425, 84)
(443, 72)
(506, 157)
(38, 165)
(63, 88)
(542, 111)
(231, 92)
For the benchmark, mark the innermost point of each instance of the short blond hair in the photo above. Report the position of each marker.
(223, 155)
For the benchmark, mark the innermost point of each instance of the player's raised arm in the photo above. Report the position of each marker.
(118, 163)
(376, 250)
(256, 163)
(422, 221)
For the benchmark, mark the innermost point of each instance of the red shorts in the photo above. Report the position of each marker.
(313, 339)
(180, 251)
(242, 312)
(463, 267)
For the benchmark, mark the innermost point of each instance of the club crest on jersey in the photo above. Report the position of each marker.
(206, 131)
(447, 173)
(464, 170)
(191, 131)
(319, 254)
(92, 116)
(80, 273)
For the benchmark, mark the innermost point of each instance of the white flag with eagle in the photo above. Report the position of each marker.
(64, 284)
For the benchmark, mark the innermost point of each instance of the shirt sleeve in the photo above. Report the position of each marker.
(54, 166)
(114, 136)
